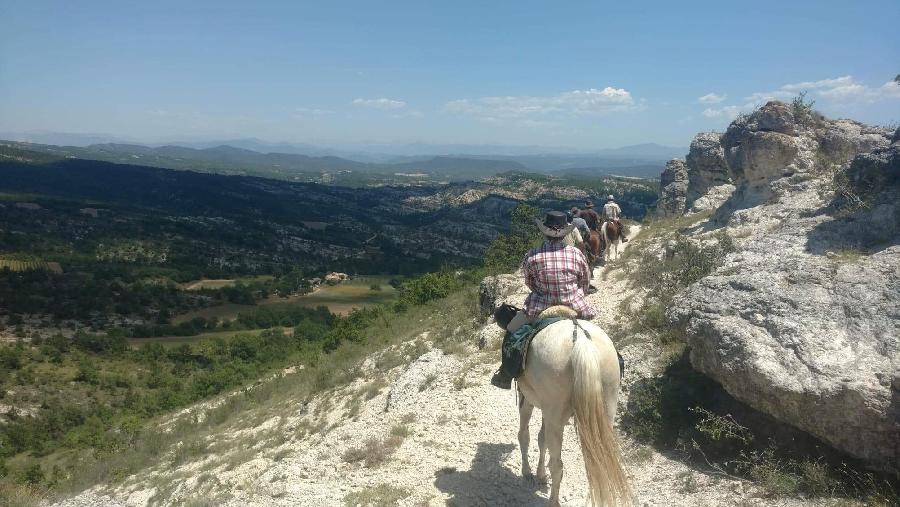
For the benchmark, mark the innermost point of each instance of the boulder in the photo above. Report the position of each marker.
(496, 290)
(870, 172)
(757, 158)
(713, 198)
(673, 189)
(841, 140)
(776, 117)
(804, 322)
(706, 166)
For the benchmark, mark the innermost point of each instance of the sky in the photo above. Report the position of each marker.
(585, 75)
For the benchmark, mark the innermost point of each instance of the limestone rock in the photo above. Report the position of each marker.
(776, 117)
(804, 322)
(713, 197)
(673, 189)
(706, 166)
(874, 171)
(756, 158)
(494, 289)
(841, 140)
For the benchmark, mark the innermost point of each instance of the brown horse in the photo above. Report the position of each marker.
(593, 248)
(611, 231)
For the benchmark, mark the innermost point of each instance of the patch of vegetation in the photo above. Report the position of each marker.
(804, 112)
(375, 451)
(686, 411)
(382, 495)
(683, 263)
(88, 401)
(505, 254)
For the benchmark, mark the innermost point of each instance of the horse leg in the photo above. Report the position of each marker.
(554, 444)
(525, 410)
(542, 450)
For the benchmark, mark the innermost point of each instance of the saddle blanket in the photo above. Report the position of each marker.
(515, 345)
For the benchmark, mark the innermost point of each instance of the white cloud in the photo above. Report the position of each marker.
(306, 111)
(588, 101)
(839, 90)
(382, 103)
(727, 112)
(712, 98)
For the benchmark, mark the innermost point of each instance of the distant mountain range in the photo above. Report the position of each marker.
(299, 161)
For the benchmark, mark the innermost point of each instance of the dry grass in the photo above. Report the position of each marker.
(374, 452)
(382, 495)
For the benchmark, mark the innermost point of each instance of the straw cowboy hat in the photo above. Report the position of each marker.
(555, 224)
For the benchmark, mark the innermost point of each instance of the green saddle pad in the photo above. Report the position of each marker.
(515, 345)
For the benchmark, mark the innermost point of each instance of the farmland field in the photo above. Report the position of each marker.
(344, 297)
(168, 341)
(207, 283)
(340, 299)
(17, 265)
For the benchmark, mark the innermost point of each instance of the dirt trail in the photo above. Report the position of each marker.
(461, 448)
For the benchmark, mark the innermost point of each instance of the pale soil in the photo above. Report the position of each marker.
(462, 447)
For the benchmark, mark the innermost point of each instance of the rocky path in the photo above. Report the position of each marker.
(460, 446)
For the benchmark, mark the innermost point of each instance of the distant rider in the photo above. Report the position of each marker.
(612, 211)
(580, 224)
(590, 216)
(557, 274)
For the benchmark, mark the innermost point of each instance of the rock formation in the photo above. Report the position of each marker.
(673, 189)
(706, 166)
(803, 322)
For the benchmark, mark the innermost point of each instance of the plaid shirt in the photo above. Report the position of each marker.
(557, 275)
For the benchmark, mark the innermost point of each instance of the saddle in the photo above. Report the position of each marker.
(514, 350)
(515, 344)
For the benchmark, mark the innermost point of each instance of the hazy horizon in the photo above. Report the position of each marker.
(586, 77)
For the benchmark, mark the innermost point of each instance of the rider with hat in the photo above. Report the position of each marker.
(590, 216)
(557, 274)
(612, 211)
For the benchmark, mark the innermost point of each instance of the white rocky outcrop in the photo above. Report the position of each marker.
(803, 323)
(706, 166)
(673, 189)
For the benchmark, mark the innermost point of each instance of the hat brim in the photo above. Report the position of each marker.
(554, 233)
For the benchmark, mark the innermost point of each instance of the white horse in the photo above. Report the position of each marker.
(574, 371)
(612, 238)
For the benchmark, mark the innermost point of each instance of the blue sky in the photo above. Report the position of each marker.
(579, 74)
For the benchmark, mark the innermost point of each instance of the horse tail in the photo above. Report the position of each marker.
(599, 445)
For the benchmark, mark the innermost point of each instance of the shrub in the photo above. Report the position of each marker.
(382, 495)
(374, 452)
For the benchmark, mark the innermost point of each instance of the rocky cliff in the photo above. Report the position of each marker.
(803, 322)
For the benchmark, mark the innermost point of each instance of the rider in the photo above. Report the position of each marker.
(557, 274)
(590, 216)
(612, 211)
(579, 222)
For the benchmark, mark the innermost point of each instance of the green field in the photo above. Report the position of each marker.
(17, 265)
(340, 299)
(207, 283)
(345, 296)
(168, 341)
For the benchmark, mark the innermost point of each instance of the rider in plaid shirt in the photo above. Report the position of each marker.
(557, 275)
